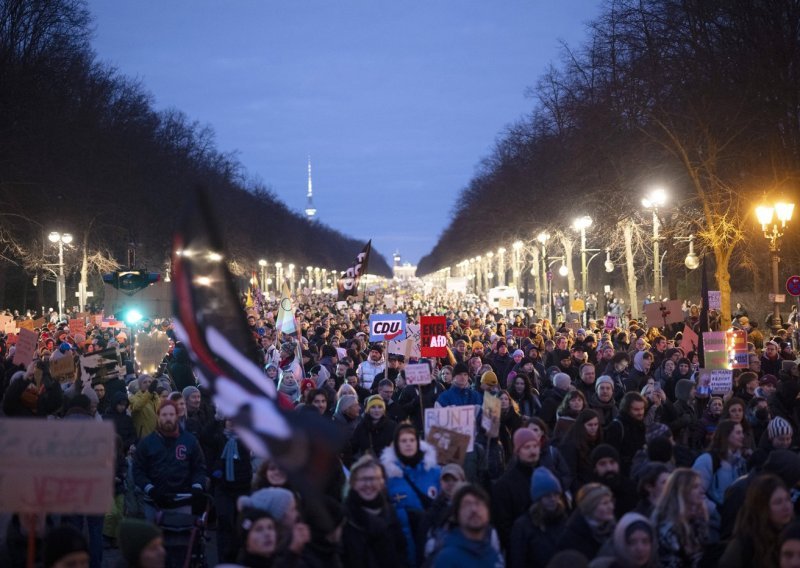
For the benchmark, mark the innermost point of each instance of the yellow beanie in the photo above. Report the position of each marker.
(374, 400)
(489, 378)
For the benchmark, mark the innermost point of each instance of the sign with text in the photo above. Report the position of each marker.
(660, 314)
(63, 368)
(26, 346)
(714, 300)
(715, 349)
(451, 446)
(611, 322)
(418, 374)
(61, 466)
(689, 340)
(433, 336)
(577, 305)
(490, 418)
(387, 327)
(77, 325)
(408, 347)
(520, 332)
(151, 348)
(720, 381)
(738, 357)
(25, 324)
(457, 418)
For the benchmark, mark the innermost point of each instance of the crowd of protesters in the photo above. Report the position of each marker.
(609, 452)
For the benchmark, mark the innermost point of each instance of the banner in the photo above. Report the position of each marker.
(457, 418)
(387, 327)
(348, 283)
(716, 352)
(56, 466)
(433, 336)
(418, 374)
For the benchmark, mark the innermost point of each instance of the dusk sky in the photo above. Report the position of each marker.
(396, 102)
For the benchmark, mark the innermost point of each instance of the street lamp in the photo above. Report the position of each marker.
(278, 277)
(543, 237)
(655, 199)
(608, 264)
(263, 264)
(692, 261)
(61, 239)
(780, 212)
(501, 266)
(291, 278)
(581, 224)
(515, 270)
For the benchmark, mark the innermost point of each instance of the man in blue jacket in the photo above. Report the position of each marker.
(471, 542)
(459, 393)
(168, 461)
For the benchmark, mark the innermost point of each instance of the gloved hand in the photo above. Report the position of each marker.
(159, 497)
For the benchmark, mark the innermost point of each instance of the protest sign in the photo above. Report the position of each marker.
(490, 418)
(738, 356)
(77, 326)
(58, 466)
(39, 323)
(718, 381)
(4, 320)
(577, 305)
(408, 347)
(457, 418)
(26, 346)
(457, 284)
(660, 314)
(10, 327)
(101, 366)
(689, 340)
(388, 302)
(505, 303)
(715, 349)
(520, 332)
(573, 325)
(387, 327)
(63, 368)
(150, 349)
(25, 324)
(418, 374)
(714, 300)
(611, 322)
(433, 336)
(451, 446)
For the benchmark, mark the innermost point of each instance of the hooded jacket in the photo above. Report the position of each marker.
(458, 551)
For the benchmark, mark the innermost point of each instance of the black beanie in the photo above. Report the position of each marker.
(60, 541)
(603, 451)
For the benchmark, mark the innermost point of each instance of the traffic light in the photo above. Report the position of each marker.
(131, 281)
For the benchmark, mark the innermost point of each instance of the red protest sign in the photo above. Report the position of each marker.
(521, 332)
(433, 336)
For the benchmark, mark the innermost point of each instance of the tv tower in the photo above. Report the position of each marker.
(310, 209)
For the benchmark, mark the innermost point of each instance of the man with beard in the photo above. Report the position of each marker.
(605, 461)
(168, 461)
(470, 543)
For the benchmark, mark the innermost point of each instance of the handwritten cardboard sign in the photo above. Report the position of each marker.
(63, 368)
(26, 346)
(61, 466)
(418, 374)
(25, 324)
(77, 326)
(433, 336)
(451, 446)
(457, 418)
(577, 305)
(490, 418)
(714, 300)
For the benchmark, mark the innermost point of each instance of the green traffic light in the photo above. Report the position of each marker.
(133, 316)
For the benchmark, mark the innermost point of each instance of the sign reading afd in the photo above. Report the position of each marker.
(387, 327)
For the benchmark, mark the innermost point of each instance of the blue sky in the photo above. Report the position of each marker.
(396, 102)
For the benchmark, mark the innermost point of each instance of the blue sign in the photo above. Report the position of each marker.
(387, 327)
(793, 285)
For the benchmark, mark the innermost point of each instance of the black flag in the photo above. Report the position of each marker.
(211, 323)
(348, 283)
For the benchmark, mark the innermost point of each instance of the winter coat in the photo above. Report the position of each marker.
(347, 427)
(411, 490)
(144, 411)
(372, 437)
(172, 465)
(367, 372)
(372, 541)
(455, 396)
(123, 424)
(628, 436)
(715, 482)
(242, 466)
(607, 410)
(532, 545)
(459, 551)
(672, 553)
(551, 400)
(578, 536)
(511, 497)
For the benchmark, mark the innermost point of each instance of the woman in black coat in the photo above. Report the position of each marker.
(123, 423)
(375, 431)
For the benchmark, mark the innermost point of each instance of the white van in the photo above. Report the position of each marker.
(503, 298)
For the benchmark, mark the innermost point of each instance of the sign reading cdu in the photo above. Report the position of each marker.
(387, 327)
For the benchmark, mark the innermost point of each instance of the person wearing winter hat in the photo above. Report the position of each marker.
(606, 468)
(259, 538)
(374, 365)
(780, 433)
(375, 431)
(591, 523)
(141, 544)
(602, 400)
(459, 393)
(346, 418)
(634, 542)
(277, 502)
(193, 398)
(65, 547)
(489, 382)
(511, 492)
(144, 406)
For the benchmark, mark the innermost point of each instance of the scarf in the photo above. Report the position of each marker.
(229, 453)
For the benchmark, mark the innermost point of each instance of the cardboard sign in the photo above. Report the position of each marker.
(388, 302)
(690, 340)
(433, 336)
(101, 366)
(490, 418)
(451, 446)
(577, 305)
(5, 320)
(77, 326)
(39, 323)
(611, 322)
(26, 346)
(457, 418)
(25, 324)
(10, 327)
(60, 466)
(418, 374)
(715, 350)
(660, 314)
(408, 347)
(521, 332)
(714, 300)
(505, 303)
(63, 368)
(720, 381)
(387, 327)
(150, 349)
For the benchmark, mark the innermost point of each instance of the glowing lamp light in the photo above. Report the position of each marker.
(562, 270)
(133, 316)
